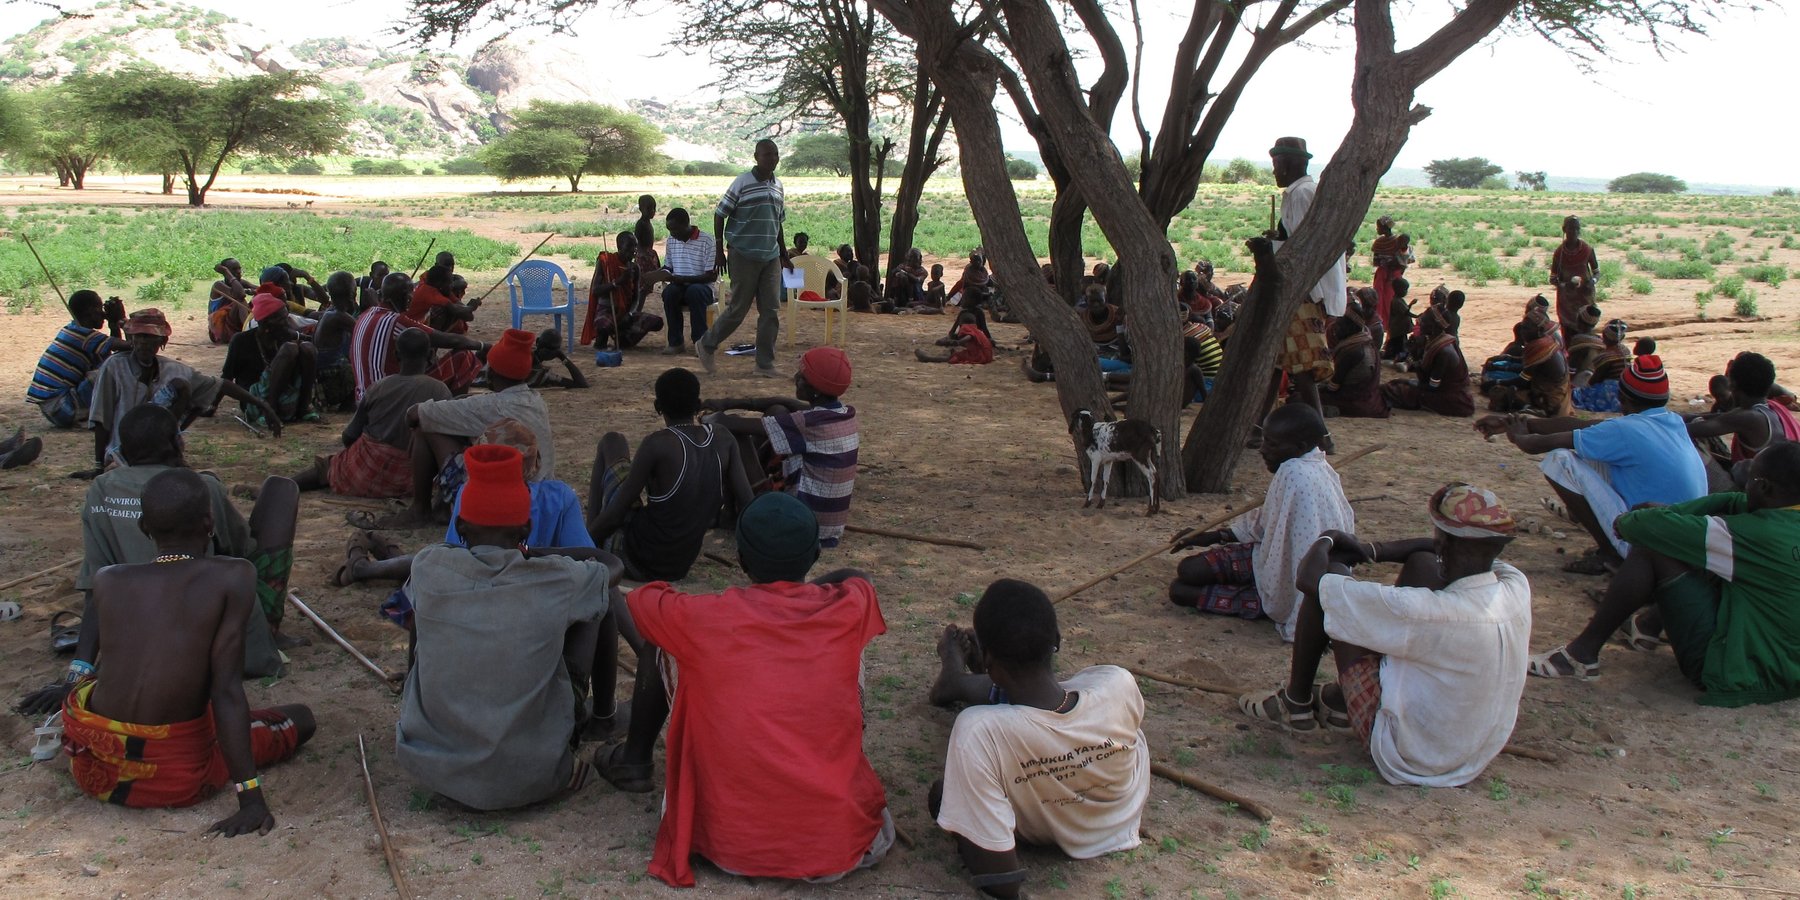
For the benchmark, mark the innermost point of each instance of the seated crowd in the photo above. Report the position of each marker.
(514, 618)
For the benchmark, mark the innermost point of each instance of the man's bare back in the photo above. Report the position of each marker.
(168, 632)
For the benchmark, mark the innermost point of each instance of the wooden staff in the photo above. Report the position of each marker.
(387, 846)
(421, 263)
(1244, 804)
(367, 663)
(1529, 753)
(1372, 448)
(515, 268)
(1271, 212)
(921, 538)
(246, 423)
(47, 276)
(1187, 682)
(41, 573)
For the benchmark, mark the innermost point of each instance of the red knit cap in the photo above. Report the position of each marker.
(511, 356)
(827, 369)
(495, 494)
(1646, 379)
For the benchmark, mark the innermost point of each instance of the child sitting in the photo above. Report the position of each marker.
(973, 346)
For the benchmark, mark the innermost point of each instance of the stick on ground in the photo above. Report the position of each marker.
(1212, 790)
(390, 680)
(921, 538)
(1187, 682)
(1529, 753)
(1140, 560)
(40, 573)
(387, 846)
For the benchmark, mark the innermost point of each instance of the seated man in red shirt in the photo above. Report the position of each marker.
(767, 713)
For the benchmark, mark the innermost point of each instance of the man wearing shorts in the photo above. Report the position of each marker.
(1430, 670)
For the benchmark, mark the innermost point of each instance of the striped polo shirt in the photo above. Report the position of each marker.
(695, 256)
(76, 351)
(753, 212)
(818, 450)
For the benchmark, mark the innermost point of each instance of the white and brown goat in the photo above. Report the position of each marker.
(1105, 444)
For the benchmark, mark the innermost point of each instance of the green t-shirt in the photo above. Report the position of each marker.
(1754, 654)
(109, 528)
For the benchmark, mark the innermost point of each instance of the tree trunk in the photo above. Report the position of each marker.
(928, 125)
(1382, 90)
(168, 182)
(1067, 216)
(575, 183)
(78, 174)
(62, 173)
(865, 200)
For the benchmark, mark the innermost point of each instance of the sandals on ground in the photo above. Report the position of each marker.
(1636, 638)
(356, 549)
(1273, 706)
(1328, 718)
(1588, 564)
(63, 638)
(632, 778)
(1552, 664)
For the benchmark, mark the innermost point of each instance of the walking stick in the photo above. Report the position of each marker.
(515, 268)
(421, 262)
(338, 639)
(47, 276)
(39, 574)
(1372, 448)
(387, 846)
(1244, 804)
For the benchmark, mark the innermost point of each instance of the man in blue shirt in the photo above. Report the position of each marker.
(61, 388)
(1603, 468)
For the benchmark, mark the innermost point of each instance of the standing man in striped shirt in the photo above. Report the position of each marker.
(756, 209)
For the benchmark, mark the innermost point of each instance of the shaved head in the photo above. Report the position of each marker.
(1291, 431)
(176, 503)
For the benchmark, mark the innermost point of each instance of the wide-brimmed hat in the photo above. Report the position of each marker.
(148, 321)
(1290, 146)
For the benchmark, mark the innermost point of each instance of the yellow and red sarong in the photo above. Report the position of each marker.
(151, 766)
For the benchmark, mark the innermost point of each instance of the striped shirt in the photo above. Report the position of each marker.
(75, 351)
(695, 256)
(372, 345)
(754, 211)
(818, 450)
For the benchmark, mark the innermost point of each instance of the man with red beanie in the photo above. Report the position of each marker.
(1601, 468)
(442, 428)
(488, 714)
(814, 438)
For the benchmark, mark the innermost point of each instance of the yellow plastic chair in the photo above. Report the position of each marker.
(816, 268)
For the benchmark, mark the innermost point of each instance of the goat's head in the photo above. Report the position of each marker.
(1081, 422)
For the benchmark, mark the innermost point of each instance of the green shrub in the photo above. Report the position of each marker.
(1701, 299)
(1431, 262)
(464, 165)
(1732, 287)
(1641, 285)
(306, 167)
(1771, 275)
(1746, 304)
(1479, 267)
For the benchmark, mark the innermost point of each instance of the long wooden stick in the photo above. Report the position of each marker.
(47, 276)
(1245, 804)
(1745, 888)
(367, 663)
(1187, 682)
(921, 538)
(421, 263)
(1529, 753)
(41, 573)
(387, 845)
(1148, 555)
(515, 268)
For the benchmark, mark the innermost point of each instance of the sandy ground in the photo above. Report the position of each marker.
(1650, 793)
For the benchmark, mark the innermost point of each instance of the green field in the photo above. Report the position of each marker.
(1712, 246)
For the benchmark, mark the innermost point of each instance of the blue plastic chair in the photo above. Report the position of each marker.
(531, 289)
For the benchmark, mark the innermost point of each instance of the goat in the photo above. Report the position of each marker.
(1107, 443)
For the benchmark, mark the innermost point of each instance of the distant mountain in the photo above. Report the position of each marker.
(409, 104)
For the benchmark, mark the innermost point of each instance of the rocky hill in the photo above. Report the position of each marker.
(410, 104)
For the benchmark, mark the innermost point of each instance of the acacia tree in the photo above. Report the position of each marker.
(569, 140)
(829, 63)
(55, 134)
(1039, 77)
(163, 118)
(1459, 172)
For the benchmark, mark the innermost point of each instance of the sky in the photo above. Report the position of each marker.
(1516, 100)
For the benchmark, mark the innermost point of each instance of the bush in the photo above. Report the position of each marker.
(306, 167)
(1746, 305)
(464, 165)
(1647, 183)
(1494, 183)
(1021, 169)
(1771, 275)
(1782, 192)
(1701, 299)
(703, 167)
(1732, 287)
(1462, 173)
(379, 167)
(1641, 285)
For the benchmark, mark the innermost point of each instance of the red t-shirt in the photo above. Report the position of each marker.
(979, 351)
(766, 771)
(425, 298)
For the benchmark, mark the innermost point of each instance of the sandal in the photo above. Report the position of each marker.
(9, 611)
(1329, 719)
(63, 638)
(1289, 717)
(1636, 638)
(356, 549)
(1553, 663)
(630, 778)
(384, 548)
(366, 520)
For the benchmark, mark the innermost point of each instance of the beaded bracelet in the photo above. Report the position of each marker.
(252, 784)
(79, 669)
